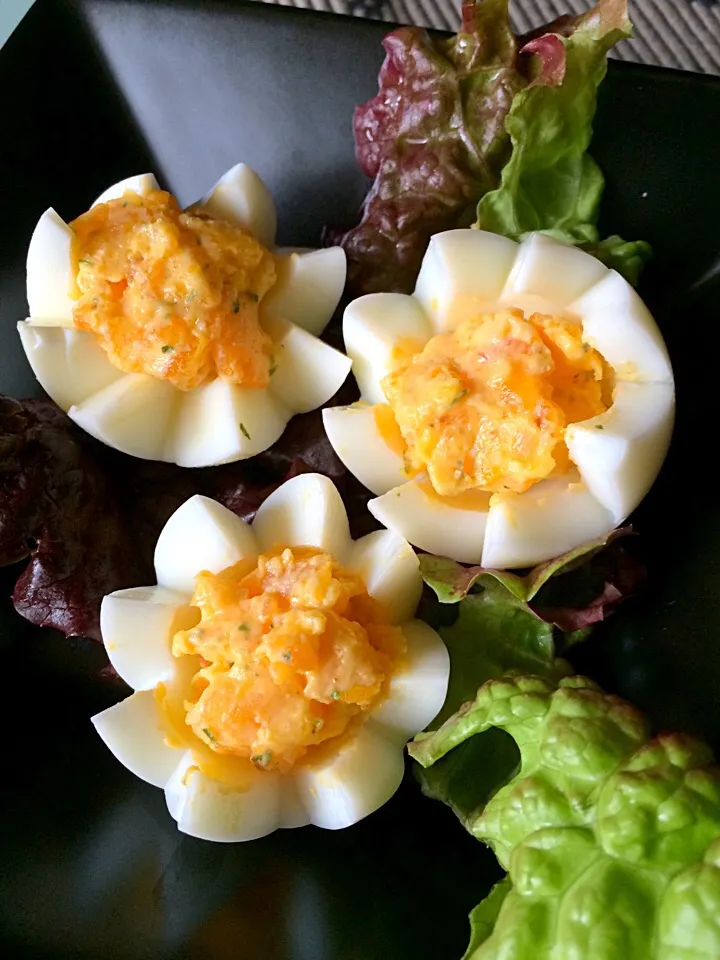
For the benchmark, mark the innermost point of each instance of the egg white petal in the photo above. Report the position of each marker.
(462, 273)
(69, 364)
(549, 519)
(619, 325)
(372, 327)
(306, 511)
(133, 732)
(142, 184)
(556, 272)
(49, 271)
(211, 810)
(619, 453)
(352, 782)
(137, 627)
(432, 523)
(200, 535)
(354, 436)
(390, 570)
(241, 197)
(220, 422)
(292, 810)
(308, 372)
(419, 687)
(132, 414)
(308, 288)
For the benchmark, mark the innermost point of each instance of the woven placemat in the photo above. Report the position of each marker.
(671, 33)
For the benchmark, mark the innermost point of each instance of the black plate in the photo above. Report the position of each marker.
(90, 862)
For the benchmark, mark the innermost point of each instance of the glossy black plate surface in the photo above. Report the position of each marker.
(91, 865)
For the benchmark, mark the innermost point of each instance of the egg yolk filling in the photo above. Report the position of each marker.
(484, 407)
(293, 653)
(172, 294)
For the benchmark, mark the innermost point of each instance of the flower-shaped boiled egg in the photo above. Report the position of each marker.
(519, 403)
(181, 335)
(277, 668)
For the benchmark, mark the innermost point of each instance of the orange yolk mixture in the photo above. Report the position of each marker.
(292, 652)
(485, 406)
(172, 294)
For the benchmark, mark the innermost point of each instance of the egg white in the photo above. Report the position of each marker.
(137, 736)
(138, 624)
(341, 789)
(48, 272)
(356, 439)
(74, 363)
(199, 427)
(310, 284)
(142, 184)
(372, 327)
(241, 197)
(432, 523)
(549, 519)
(617, 455)
(207, 809)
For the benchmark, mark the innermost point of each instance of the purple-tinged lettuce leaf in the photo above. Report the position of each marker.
(58, 508)
(433, 140)
(551, 183)
(489, 120)
(572, 591)
(86, 518)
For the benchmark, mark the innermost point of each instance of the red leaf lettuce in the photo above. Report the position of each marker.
(483, 119)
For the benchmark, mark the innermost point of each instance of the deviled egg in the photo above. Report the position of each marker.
(277, 668)
(181, 335)
(519, 403)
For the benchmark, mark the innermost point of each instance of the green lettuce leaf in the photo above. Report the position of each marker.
(507, 622)
(451, 581)
(573, 591)
(449, 112)
(495, 632)
(611, 839)
(551, 183)
(484, 916)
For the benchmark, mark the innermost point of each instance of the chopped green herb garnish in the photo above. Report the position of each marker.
(243, 626)
(287, 656)
(599, 426)
(125, 203)
(273, 365)
(88, 262)
(168, 348)
(243, 431)
(236, 305)
(335, 695)
(191, 296)
(253, 297)
(461, 395)
(208, 734)
(262, 759)
(318, 724)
